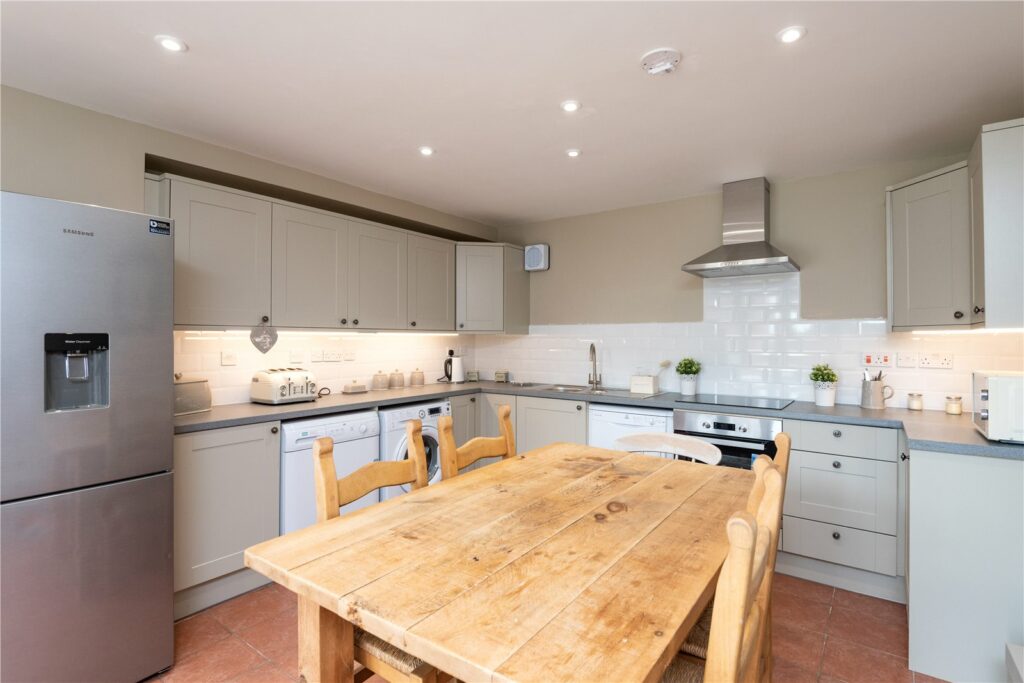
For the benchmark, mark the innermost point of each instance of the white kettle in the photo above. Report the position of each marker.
(454, 371)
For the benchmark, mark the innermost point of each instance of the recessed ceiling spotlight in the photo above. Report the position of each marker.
(572, 153)
(171, 44)
(664, 60)
(569, 106)
(791, 34)
(427, 151)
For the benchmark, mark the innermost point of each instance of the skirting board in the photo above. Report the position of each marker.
(856, 580)
(196, 598)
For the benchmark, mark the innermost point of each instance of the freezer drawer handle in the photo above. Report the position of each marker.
(836, 464)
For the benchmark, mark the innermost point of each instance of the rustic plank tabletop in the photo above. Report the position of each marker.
(563, 563)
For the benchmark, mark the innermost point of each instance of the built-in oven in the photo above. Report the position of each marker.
(741, 438)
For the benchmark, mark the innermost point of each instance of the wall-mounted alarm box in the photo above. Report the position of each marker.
(536, 257)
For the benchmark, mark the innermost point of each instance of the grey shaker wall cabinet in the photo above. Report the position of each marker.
(492, 289)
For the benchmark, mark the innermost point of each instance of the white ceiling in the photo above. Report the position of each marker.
(350, 90)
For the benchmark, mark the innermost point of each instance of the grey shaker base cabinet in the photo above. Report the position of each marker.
(226, 498)
(543, 421)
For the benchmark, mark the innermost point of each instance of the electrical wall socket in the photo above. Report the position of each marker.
(228, 358)
(332, 356)
(906, 360)
(877, 359)
(943, 361)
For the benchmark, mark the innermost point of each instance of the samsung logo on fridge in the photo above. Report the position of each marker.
(80, 233)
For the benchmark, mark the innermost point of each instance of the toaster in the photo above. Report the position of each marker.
(999, 405)
(283, 385)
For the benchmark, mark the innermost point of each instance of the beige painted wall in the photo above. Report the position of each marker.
(624, 265)
(54, 149)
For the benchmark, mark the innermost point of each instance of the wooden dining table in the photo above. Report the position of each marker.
(566, 563)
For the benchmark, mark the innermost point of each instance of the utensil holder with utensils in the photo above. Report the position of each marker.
(873, 394)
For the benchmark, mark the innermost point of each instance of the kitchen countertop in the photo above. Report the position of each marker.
(927, 430)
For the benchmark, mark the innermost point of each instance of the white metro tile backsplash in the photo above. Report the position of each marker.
(752, 342)
(199, 353)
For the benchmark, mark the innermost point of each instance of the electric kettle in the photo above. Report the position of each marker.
(454, 371)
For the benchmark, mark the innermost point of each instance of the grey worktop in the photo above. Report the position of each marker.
(927, 430)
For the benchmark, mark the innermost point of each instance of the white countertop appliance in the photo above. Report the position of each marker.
(999, 405)
(283, 385)
(394, 445)
(356, 443)
(607, 424)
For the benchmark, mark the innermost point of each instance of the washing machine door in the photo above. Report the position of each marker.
(433, 450)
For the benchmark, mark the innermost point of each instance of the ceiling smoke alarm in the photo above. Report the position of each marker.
(664, 60)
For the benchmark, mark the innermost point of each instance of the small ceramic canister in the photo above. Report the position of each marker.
(396, 380)
(416, 378)
(380, 381)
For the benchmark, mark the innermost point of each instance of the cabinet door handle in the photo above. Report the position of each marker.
(579, 407)
(265, 318)
(355, 321)
(413, 323)
(835, 535)
(836, 464)
(461, 325)
(958, 314)
(979, 309)
(344, 321)
(904, 456)
(273, 430)
(836, 433)
(472, 400)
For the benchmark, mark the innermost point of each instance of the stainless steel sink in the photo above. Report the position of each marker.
(568, 388)
(522, 385)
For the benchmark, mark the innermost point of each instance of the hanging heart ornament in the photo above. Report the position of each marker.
(263, 337)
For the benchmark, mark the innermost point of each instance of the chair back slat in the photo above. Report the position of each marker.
(673, 444)
(333, 493)
(455, 458)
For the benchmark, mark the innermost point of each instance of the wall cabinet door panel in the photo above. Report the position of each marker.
(310, 265)
(213, 521)
(543, 421)
(431, 283)
(222, 260)
(480, 288)
(931, 242)
(378, 269)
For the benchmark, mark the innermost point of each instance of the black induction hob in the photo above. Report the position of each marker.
(765, 403)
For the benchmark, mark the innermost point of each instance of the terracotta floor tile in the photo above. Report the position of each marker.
(922, 678)
(818, 592)
(797, 646)
(276, 638)
(784, 671)
(251, 608)
(883, 609)
(195, 633)
(219, 662)
(855, 663)
(268, 673)
(798, 611)
(885, 634)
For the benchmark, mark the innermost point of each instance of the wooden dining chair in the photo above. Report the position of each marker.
(736, 638)
(768, 512)
(376, 656)
(455, 458)
(680, 445)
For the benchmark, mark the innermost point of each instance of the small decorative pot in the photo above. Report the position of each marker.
(688, 385)
(825, 394)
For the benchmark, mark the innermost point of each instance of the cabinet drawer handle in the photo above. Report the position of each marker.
(344, 321)
(836, 464)
(273, 430)
(836, 433)
(265, 318)
(835, 535)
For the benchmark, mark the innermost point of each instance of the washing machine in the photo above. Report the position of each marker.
(394, 444)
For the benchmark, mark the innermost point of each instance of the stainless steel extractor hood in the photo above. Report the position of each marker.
(745, 232)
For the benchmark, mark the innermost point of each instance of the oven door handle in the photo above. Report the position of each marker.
(758, 446)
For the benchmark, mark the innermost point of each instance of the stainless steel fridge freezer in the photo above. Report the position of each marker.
(86, 433)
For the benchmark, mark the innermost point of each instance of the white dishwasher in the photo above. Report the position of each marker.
(356, 443)
(606, 424)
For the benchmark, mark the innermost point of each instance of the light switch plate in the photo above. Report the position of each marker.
(228, 358)
(942, 361)
(877, 359)
(906, 360)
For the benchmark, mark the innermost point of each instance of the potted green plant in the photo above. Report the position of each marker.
(688, 369)
(825, 380)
